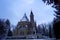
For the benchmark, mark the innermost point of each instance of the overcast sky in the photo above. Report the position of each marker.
(15, 9)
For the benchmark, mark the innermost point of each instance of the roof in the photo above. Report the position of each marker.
(25, 18)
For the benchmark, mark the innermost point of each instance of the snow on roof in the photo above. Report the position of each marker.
(24, 18)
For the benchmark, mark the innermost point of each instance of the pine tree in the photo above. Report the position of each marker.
(9, 31)
(1, 27)
(3, 30)
(56, 6)
(56, 23)
(8, 22)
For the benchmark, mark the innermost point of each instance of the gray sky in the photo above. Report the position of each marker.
(15, 9)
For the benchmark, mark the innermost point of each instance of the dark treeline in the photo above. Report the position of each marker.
(56, 24)
(46, 30)
(5, 28)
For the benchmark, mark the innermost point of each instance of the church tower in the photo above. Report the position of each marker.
(31, 17)
(33, 23)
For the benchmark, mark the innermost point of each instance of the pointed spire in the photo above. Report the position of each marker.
(31, 12)
(25, 18)
(31, 16)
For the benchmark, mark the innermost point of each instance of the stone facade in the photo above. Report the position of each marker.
(25, 26)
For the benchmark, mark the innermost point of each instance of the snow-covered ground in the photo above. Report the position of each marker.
(30, 39)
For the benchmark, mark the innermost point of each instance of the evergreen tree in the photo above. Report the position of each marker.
(8, 22)
(9, 31)
(3, 30)
(1, 27)
(56, 23)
